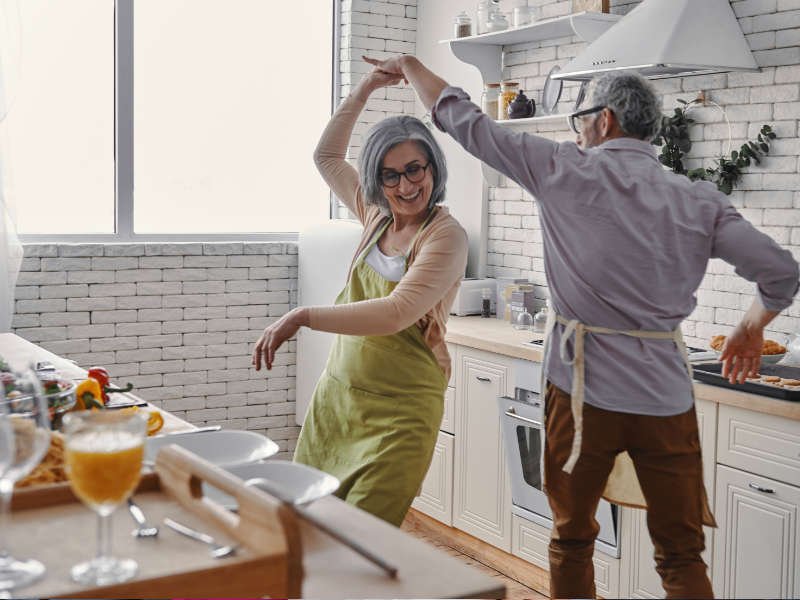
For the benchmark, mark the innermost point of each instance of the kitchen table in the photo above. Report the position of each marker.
(331, 569)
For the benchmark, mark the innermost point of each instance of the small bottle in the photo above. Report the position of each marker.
(524, 321)
(540, 319)
(463, 25)
(486, 304)
(491, 93)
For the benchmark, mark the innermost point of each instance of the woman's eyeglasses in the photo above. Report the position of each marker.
(414, 174)
(576, 118)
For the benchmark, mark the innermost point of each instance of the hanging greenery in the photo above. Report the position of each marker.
(673, 137)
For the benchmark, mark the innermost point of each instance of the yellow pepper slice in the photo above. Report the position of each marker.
(155, 421)
(89, 395)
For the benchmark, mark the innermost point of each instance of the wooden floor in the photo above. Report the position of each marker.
(514, 589)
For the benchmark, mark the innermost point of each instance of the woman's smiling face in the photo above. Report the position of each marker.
(406, 198)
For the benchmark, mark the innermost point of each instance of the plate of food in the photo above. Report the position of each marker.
(771, 353)
(299, 483)
(60, 394)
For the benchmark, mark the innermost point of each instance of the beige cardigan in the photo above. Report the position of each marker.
(436, 263)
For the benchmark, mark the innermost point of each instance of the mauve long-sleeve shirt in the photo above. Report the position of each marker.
(626, 245)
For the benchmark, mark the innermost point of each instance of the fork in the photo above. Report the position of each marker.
(142, 529)
(217, 551)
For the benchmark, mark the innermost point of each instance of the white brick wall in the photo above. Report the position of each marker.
(768, 195)
(176, 320)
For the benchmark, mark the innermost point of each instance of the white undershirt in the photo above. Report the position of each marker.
(391, 268)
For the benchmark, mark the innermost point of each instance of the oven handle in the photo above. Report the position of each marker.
(510, 413)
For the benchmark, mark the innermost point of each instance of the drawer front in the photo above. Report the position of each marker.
(436, 497)
(530, 542)
(759, 443)
(448, 415)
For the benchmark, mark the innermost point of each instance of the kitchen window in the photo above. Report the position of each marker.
(167, 119)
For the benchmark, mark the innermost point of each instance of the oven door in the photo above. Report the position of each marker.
(523, 434)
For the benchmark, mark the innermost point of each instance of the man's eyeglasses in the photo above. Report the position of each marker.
(576, 118)
(414, 174)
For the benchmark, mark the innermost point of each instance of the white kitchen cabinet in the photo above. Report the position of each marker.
(448, 415)
(530, 541)
(755, 548)
(436, 498)
(638, 568)
(482, 493)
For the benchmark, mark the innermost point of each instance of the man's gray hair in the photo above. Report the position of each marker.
(383, 137)
(632, 99)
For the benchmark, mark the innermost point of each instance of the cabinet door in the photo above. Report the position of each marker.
(448, 416)
(637, 550)
(482, 494)
(755, 550)
(530, 541)
(436, 499)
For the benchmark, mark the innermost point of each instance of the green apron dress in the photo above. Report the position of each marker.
(375, 413)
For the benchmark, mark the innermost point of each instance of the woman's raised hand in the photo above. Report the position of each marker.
(391, 65)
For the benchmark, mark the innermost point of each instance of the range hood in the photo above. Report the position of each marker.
(668, 38)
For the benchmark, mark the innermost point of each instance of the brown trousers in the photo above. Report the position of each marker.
(666, 454)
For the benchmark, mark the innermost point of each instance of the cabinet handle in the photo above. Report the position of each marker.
(758, 488)
(511, 413)
(484, 379)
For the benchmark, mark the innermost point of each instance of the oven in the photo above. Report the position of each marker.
(522, 418)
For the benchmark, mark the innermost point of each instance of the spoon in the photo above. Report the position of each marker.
(217, 551)
(142, 529)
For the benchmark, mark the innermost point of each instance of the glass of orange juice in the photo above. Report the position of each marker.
(103, 461)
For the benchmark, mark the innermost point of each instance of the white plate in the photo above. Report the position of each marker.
(303, 484)
(224, 448)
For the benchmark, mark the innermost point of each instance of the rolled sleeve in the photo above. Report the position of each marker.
(447, 94)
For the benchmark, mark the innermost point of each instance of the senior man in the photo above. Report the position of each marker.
(626, 245)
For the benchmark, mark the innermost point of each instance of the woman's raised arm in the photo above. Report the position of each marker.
(329, 156)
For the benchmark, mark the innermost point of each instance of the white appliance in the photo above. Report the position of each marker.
(469, 299)
(668, 38)
(324, 255)
(523, 433)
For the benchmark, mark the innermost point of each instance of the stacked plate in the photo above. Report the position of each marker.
(244, 454)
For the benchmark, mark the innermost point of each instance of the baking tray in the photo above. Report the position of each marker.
(50, 524)
(710, 372)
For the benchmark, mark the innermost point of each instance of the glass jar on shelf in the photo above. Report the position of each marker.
(524, 321)
(462, 25)
(497, 22)
(489, 98)
(508, 91)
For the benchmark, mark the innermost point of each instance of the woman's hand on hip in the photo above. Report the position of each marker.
(275, 335)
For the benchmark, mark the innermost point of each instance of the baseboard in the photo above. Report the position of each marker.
(509, 565)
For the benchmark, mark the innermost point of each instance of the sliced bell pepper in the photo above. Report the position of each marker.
(89, 395)
(101, 376)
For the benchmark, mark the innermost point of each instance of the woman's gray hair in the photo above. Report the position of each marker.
(632, 99)
(383, 137)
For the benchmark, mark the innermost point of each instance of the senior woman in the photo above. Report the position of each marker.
(377, 407)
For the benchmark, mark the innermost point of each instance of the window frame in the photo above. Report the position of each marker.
(123, 148)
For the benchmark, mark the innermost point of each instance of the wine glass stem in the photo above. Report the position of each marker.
(103, 536)
(6, 489)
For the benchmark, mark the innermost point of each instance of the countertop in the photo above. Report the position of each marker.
(331, 569)
(494, 335)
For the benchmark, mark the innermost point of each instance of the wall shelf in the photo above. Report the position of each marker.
(485, 51)
(533, 120)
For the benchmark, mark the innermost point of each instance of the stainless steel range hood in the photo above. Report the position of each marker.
(668, 38)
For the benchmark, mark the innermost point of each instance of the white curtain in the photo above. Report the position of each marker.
(10, 248)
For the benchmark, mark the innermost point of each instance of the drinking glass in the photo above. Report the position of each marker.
(24, 439)
(103, 461)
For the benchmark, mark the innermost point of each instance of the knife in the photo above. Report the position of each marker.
(185, 431)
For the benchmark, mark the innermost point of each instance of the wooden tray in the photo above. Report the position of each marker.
(51, 525)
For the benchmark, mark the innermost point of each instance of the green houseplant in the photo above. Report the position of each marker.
(673, 137)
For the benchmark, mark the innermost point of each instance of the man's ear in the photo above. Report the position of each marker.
(607, 124)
